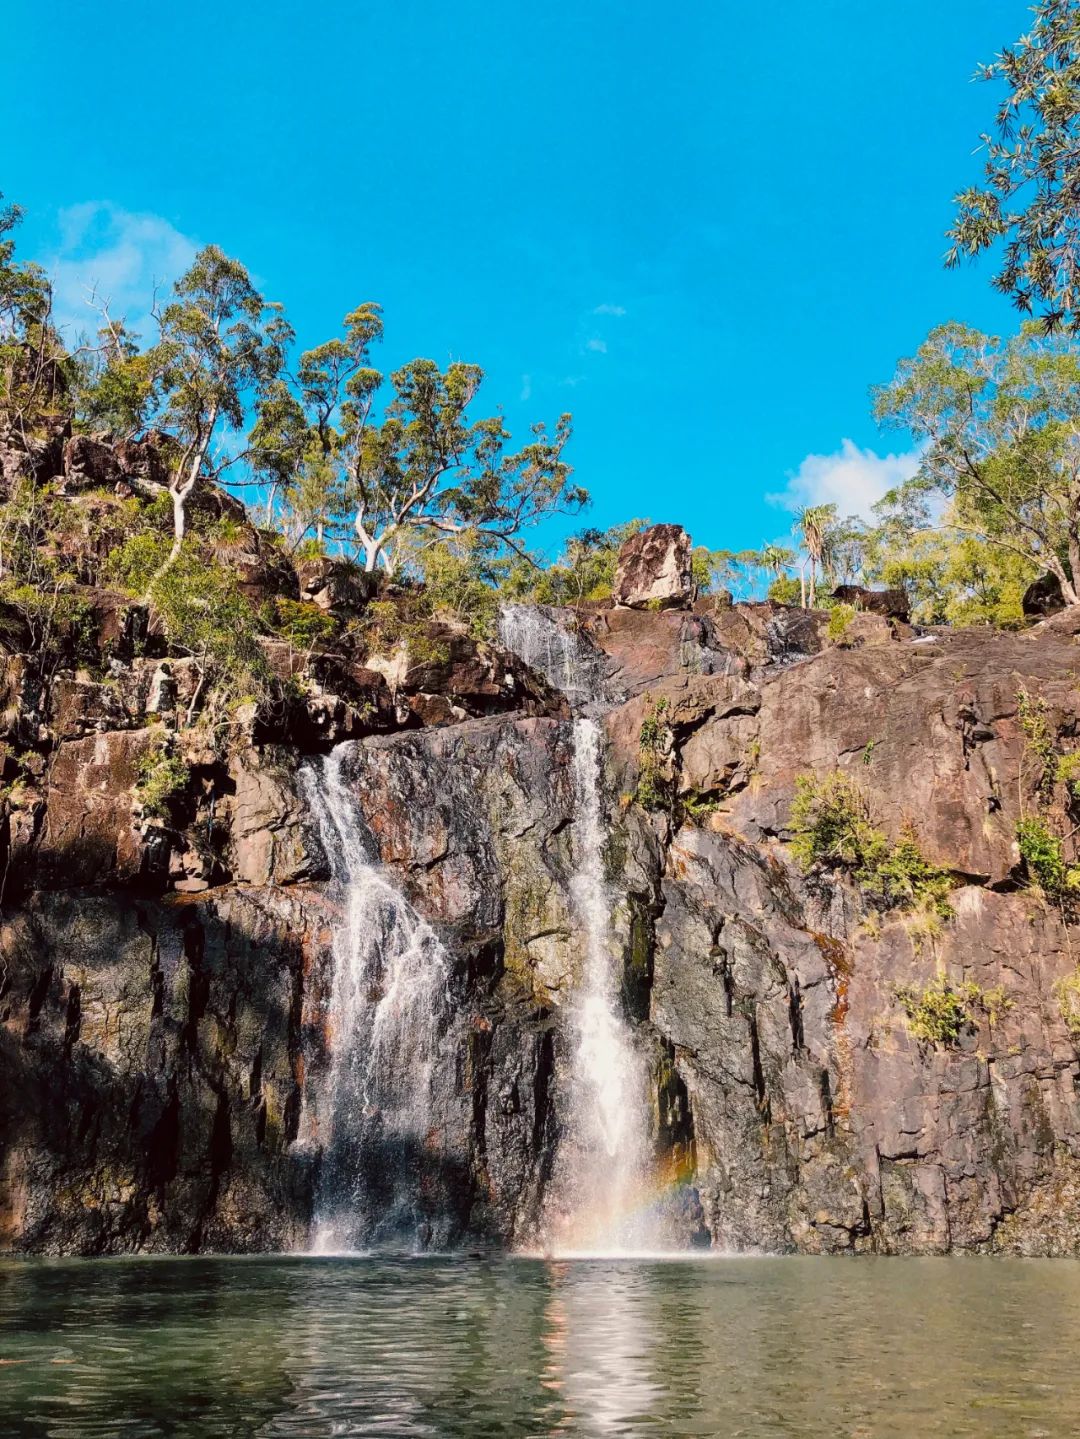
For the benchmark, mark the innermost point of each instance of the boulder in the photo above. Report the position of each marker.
(893, 604)
(1043, 597)
(334, 585)
(654, 570)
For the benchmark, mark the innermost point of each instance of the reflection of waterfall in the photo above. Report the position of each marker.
(376, 1109)
(598, 1196)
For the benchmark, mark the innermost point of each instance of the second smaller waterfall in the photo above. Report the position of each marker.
(377, 1111)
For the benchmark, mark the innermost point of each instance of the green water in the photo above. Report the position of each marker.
(455, 1347)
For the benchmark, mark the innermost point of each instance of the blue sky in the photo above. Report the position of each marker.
(704, 229)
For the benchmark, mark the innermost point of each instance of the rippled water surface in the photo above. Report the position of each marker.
(452, 1347)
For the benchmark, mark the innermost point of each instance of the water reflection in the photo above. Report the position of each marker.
(315, 1347)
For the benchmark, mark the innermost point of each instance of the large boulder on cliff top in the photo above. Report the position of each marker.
(654, 570)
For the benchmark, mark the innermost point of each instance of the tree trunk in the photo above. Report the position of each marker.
(813, 582)
(1069, 587)
(179, 509)
(1067, 582)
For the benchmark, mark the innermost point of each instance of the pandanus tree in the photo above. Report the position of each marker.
(814, 528)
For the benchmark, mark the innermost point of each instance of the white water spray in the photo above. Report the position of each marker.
(377, 1112)
(598, 1196)
(599, 1187)
(529, 632)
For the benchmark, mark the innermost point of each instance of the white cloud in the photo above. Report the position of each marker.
(119, 254)
(597, 345)
(618, 311)
(526, 387)
(851, 479)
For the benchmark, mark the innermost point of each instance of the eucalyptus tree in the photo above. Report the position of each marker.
(31, 356)
(428, 471)
(1029, 202)
(1000, 425)
(219, 341)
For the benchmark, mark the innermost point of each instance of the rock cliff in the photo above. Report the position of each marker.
(164, 981)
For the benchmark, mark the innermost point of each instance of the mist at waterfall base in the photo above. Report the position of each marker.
(603, 1193)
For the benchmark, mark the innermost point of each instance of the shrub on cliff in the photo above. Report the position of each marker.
(832, 826)
(204, 616)
(940, 1011)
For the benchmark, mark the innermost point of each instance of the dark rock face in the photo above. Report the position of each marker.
(1043, 597)
(654, 570)
(893, 604)
(164, 983)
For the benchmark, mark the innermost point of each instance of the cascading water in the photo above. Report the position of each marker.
(597, 1199)
(529, 632)
(598, 1195)
(377, 1111)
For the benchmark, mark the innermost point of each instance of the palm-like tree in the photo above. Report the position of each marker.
(775, 559)
(814, 526)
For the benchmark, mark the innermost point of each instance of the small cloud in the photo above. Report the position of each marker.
(851, 478)
(597, 345)
(571, 381)
(526, 387)
(119, 255)
(618, 311)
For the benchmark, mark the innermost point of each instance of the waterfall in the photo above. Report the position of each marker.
(599, 1191)
(598, 1195)
(540, 642)
(376, 1109)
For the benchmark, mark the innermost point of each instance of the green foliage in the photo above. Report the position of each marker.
(654, 741)
(697, 806)
(903, 878)
(999, 422)
(162, 777)
(404, 622)
(1025, 210)
(840, 618)
(584, 571)
(34, 368)
(785, 590)
(1067, 770)
(460, 580)
(1040, 739)
(940, 1012)
(832, 825)
(1043, 856)
(300, 622)
(203, 615)
(1067, 994)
